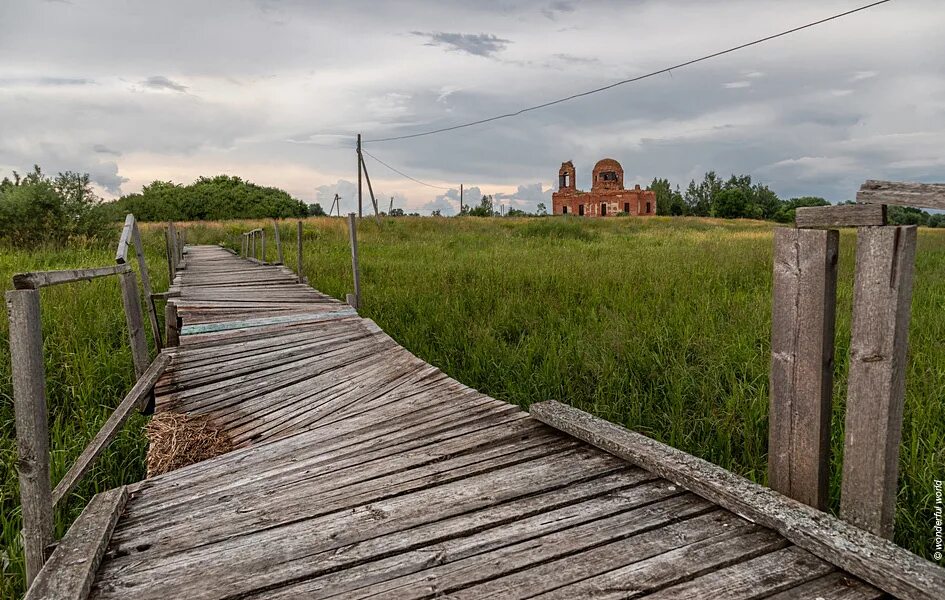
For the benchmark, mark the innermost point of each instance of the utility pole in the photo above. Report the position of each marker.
(460, 198)
(360, 162)
(390, 211)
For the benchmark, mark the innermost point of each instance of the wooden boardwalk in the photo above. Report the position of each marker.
(363, 472)
(360, 471)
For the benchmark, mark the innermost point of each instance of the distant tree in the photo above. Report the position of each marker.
(700, 198)
(541, 210)
(316, 210)
(35, 209)
(397, 212)
(668, 200)
(485, 208)
(436, 213)
(516, 212)
(785, 213)
(208, 198)
(906, 215)
(732, 203)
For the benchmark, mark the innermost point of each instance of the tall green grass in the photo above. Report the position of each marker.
(88, 371)
(662, 325)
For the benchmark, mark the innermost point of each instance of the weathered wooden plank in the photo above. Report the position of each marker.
(146, 285)
(32, 427)
(71, 569)
(262, 322)
(882, 300)
(135, 322)
(919, 195)
(842, 215)
(406, 554)
(172, 325)
(298, 249)
(755, 578)
(448, 575)
(354, 301)
(835, 586)
(136, 397)
(39, 279)
(275, 229)
(802, 359)
(248, 562)
(674, 566)
(867, 556)
(719, 530)
(124, 241)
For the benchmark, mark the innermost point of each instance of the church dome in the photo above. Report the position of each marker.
(607, 164)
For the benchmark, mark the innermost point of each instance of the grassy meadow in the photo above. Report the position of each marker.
(662, 325)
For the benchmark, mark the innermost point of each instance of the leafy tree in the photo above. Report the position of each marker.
(700, 198)
(541, 210)
(485, 208)
(397, 212)
(35, 209)
(316, 210)
(732, 203)
(668, 200)
(785, 214)
(208, 198)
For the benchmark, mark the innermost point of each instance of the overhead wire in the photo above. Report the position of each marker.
(626, 81)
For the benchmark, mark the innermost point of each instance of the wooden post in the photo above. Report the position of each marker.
(367, 178)
(135, 321)
(169, 247)
(275, 228)
(354, 299)
(460, 198)
(146, 287)
(298, 247)
(359, 176)
(32, 427)
(172, 325)
(882, 297)
(243, 245)
(262, 244)
(802, 359)
(252, 239)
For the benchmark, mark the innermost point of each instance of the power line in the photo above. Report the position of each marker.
(439, 187)
(631, 80)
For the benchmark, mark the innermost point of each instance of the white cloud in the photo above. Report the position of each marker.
(734, 85)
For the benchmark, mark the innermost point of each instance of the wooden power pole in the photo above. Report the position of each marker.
(360, 162)
(460, 198)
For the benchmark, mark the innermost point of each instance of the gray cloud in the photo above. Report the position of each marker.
(279, 104)
(103, 149)
(477, 44)
(160, 82)
(556, 8)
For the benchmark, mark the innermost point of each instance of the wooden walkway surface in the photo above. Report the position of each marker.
(362, 471)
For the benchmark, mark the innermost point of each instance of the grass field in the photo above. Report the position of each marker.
(661, 325)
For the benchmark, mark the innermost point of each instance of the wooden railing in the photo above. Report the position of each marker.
(37, 499)
(802, 352)
(250, 250)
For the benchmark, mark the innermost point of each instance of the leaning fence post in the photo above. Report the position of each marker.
(171, 325)
(354, 299)
(146, 286)
(169, 246)
(135, 321)
(32, 426)
(298, 247)
(882, 297)
(262, 243)
(802, 358)
(252, 239)
(275, 228)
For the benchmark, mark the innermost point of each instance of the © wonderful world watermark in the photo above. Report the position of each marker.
(937, 530)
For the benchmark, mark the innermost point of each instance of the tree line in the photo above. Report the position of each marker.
(738, 197)
(36, 208)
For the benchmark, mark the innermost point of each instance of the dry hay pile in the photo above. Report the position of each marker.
(177, 440)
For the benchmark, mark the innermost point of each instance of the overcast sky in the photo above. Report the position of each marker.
(275, 90)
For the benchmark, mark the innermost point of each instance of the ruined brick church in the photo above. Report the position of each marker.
(607, 197)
